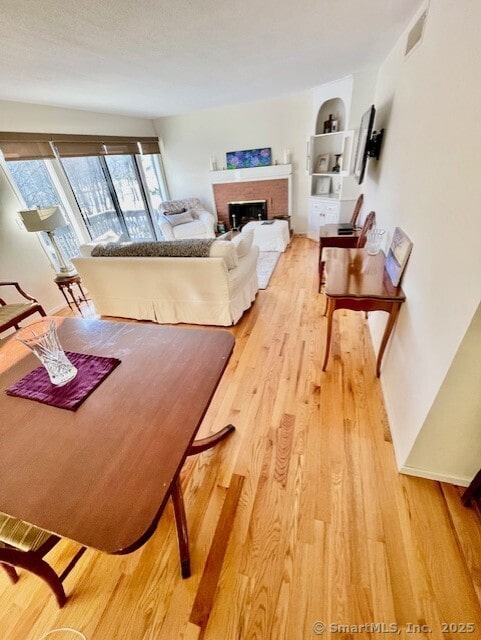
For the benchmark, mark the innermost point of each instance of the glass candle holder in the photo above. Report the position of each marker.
(41, 337)
(374, 241)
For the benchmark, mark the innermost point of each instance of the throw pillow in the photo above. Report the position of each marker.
(174, 213)
(225, 250)
(108, 237)
(193, 213)
(243, 243)
(179, 218)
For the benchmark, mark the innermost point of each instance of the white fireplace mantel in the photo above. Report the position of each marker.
(272, 172)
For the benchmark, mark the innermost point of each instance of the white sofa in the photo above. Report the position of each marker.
(214, 290)
(202, 225)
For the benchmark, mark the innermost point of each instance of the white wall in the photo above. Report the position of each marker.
(20, 116)
(453, 425)
(190, 140)
(21, 256)
(427, 182)
(363, 90)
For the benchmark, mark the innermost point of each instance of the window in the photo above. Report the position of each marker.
(103, 183)
(93, 196)
(111, 197)
(129, 191)
(37, 189)
(154, 180)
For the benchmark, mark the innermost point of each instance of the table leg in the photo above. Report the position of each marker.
(331, 306)
(177, 498)
(207, 443)
(181, 524)
(70, 290)
(84, 297)
(393, 313)
(65, 296)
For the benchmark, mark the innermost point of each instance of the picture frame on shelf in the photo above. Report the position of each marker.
(322, 163)
(398, 255)
(323, 186)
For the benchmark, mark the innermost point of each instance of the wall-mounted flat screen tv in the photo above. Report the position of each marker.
(363, 141)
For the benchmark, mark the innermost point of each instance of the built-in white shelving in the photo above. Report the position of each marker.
(327, 203)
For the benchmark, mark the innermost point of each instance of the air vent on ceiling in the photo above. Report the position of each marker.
(416, 33)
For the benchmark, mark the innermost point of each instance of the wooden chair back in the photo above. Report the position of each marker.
(357, 210)
(369, 223)
(12, 314)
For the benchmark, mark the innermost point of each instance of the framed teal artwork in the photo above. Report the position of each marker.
(249, 158)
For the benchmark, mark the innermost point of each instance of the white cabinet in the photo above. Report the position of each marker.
(321, 211)
(326, 210)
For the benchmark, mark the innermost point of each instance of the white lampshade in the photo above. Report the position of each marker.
(47, 219)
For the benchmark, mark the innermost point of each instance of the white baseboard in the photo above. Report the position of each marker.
(53, 310)
(433, 475)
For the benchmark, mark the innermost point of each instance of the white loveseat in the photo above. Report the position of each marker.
(202, 224)
(214, 290)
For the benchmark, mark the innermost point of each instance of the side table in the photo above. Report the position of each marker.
(65, 284)
(359, 281)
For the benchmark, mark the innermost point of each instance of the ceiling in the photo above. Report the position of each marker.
(157, 57)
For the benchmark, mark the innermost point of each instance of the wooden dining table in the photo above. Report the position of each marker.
(101, 475)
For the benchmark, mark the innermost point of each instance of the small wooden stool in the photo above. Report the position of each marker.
(65, 284)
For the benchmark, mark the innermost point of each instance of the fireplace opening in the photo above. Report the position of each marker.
(240, 213)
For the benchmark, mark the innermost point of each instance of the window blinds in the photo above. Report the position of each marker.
(31, 146)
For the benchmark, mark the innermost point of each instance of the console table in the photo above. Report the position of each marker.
(355, 280)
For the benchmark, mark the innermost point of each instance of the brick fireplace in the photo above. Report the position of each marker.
(271, 184)
(274, 192)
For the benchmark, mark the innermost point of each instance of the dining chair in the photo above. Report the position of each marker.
(369, 223)
(23, 546)
(12, 314)
(357, 210)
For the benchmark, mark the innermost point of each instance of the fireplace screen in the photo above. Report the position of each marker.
(240, 213)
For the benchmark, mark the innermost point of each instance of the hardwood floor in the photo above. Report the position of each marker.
(322, 526)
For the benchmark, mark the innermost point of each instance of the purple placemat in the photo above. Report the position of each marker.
(92, 371)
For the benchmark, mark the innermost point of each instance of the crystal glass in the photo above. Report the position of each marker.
(374, 241)
(41, 337)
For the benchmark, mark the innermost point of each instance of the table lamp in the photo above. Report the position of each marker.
(48, 220)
